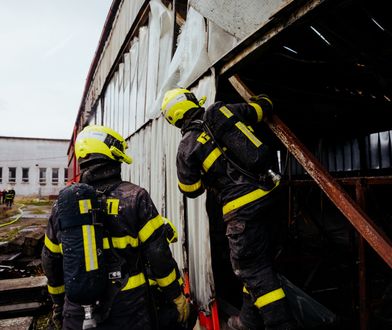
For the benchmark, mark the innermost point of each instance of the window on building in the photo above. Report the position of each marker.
(12, 174)
(65, 175)
(55, 176)
(1, 174)
(42, 175)
(25, 174)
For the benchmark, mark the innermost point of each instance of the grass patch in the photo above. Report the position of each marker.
(42, 322)
(36, 202)
(9, 235)
(6, 213)
(38, 211)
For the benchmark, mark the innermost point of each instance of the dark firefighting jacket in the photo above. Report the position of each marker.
(136, 231)
(201, 164)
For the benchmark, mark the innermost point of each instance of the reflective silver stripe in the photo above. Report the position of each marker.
(226, 111)
(84, 206)
(174, 101)
(90, 248)
(248, 134)
(101, 136)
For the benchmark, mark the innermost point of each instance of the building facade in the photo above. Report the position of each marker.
(33, 166)
(326, 65)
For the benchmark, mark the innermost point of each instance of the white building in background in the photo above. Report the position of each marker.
(33, 166)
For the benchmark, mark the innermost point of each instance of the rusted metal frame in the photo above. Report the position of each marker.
(363, 306)
(271, 29)
(351, 181)
(362, 223)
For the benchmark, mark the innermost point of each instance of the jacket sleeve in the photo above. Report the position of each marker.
(188, 170)
(249, 113)
(52, 260)
(155, 247)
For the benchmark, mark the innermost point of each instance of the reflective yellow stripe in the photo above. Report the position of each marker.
(169, 279)
(211, 158)
(134, 282)
(180, 281)
(121, 242)
(269, 298)
(189, 187)
(248, 134)
(84, 206)
(203, 138)
(149, 228)
(56, 289)
(112, 206)
(90, 248)
(152, 282)
(52, 247)
(259, 111)
(248, 198)
(245, 290)
(226, 112)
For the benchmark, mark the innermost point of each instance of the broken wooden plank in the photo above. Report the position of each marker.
(18, 323)
(15, 284)
(22, 307)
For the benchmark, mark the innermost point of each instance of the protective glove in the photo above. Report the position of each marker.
(182, 308)
(264, 102)
(57, 316)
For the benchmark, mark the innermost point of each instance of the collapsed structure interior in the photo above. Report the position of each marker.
(329, 75)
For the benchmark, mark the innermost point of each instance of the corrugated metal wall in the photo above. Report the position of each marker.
(133, 92)
(345, 155)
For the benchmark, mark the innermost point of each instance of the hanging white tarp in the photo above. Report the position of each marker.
(159, 49)
(190, 60)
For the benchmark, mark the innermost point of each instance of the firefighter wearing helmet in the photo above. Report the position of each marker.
(137, 232)
(221, 152)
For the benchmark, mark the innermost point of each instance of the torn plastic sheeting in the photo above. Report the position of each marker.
(159, 48)
(220, 42)
(190, 60)
(142, 77)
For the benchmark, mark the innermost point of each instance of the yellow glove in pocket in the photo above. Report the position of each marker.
(182, 308)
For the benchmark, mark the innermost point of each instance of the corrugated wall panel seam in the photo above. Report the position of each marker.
(117, 37)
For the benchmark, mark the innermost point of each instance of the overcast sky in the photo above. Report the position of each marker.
(46, 48)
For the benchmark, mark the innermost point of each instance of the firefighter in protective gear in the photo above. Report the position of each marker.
(247, 206)
(136, 231)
